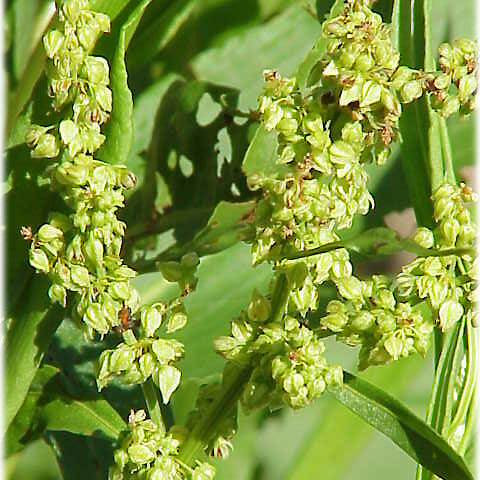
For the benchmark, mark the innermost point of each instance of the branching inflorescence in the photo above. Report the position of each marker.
(327, 133)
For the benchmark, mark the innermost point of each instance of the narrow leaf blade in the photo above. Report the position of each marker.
(397, 422)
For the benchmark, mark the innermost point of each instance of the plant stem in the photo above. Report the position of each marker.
(153, 403)
(206, 429)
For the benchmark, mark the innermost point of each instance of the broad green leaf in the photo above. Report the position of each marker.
(83, 417)
(22, 430)
(279, 44)
(32, 327)
(187, 164)
(411, 434)
(119, 129)
(156, 36)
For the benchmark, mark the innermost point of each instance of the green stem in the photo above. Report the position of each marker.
(467, 394)
(447, 153)
(153, 403)
(206, 428)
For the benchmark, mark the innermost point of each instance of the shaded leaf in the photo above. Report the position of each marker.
(33, 325)
(153, 39)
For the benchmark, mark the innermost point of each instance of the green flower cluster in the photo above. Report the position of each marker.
(369, 315)
(145, 452)
(81, 251)
(453, 88)
(447, 282)
(135, 360)
(348, 117)
(286, 357)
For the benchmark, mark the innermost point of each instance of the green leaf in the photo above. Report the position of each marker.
(112, 8)
(32, 328)
(22, 429)
(411, 434)
(225, 228)
(281, 43)
(94, 417)
(150, 41)
(119, 129)
(261, 155)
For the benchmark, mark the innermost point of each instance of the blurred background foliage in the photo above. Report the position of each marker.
(192, 65)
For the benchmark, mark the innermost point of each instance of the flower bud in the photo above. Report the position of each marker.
(424, 237)
(39, 260)
(103, 96)
(204, 471)
(334, 376)
(449, 314)
(394, 346)
(363, 321)
(121, 458)
(450, 107)
(350, 288)
(94, 318)
(167, 379)
(450, 228)
(334, 321)
(68, 131)
(47, 233)
(47, 146)
(57, 293)
(411, 91)
(466, 87)
(80, 275)
(150, 320)
(140, 454)
(386, 321)
(146, 364)
(259, 308)
(371, 93)
(94, 251)
(97, 70)
(121, 359)
(178, 319)
(53, 43)
(401, 77)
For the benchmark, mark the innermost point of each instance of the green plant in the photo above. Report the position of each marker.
(306, 152)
